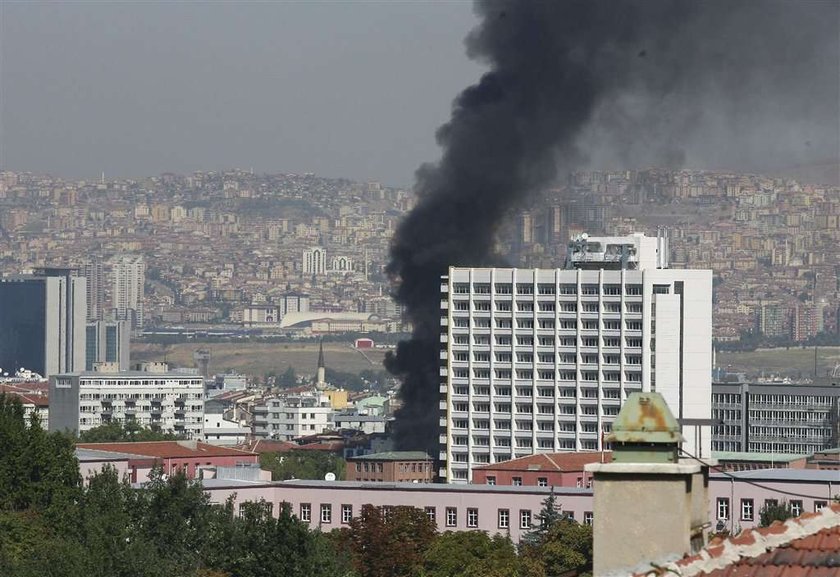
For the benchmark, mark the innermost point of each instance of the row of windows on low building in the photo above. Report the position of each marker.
(748, 510)
(451, 515)
(546, 288)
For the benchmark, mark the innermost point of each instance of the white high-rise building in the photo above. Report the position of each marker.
(129, 277)
(315, 261)
(540, 360)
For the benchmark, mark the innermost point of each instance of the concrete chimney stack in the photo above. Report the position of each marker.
(649, 506)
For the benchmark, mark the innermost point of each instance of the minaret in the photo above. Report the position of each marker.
(320, 381)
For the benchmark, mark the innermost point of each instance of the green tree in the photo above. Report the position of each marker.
(37, 469)
(470, 554)
(773, 511)
(302, 464)
(566, 546)
(548, 516)
(117, 432)
(389, 542)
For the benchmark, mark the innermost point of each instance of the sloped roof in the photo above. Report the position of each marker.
(393, 456)
(548, 462)
(168, 449)
(805, 546)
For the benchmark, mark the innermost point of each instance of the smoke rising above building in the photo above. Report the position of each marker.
(745, 85)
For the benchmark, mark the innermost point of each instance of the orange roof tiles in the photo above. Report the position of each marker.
(558, 462)
(805, 546)
(168, 449)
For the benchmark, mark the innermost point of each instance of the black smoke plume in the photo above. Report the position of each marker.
(746, 85)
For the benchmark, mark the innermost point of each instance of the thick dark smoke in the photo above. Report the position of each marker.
(719, 84)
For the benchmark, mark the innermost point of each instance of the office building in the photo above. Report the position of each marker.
(315, 261)
(42, 322)
(128, 275)
(108, 342)
(164, 401)
(293, 303)
(540, 360)
(93, 271)
(775, 417)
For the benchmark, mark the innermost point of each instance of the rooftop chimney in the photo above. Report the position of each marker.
(649, 506)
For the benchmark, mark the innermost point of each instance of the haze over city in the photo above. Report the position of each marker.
(442, 289)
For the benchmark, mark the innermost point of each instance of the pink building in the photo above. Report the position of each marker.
(137, 459)
(736, 498)
(513, 509)
(331, 505)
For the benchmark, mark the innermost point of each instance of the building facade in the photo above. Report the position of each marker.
(164, 401)
(108, 342)
(540, 360)
(775, 417)
(128, 281)
(315, 261)
(94, 274)
(42, 322)
(391, 467)
(294, 416)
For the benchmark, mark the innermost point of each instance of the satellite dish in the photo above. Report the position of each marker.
(329, 477)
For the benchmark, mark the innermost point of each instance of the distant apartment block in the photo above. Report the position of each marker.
(128, 280)
(315, 261)
(775, 417)
(42, 322)
(540, 360)
(292, 417)
(94, 274)
(163, 401)
(108, 342)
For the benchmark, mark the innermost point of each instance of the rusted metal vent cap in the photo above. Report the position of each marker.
(645, 419)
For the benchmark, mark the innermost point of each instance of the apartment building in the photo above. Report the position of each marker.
(540, 360)
(128, 281)
(294, 416)
(775, 417)
(169, 402)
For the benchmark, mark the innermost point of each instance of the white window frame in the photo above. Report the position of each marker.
(747, 510)
(451, 516)
(723, 508)
(346, 513)
(504, 518)
(306, 512)
(525, 519)
(472, 517)
(326, 513)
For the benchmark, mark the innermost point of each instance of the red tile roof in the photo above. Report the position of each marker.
(806, 546)
(169, 449)
(268, 446)
(559, 462)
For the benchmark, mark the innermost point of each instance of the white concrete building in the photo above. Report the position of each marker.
(540, 360)
(294, 416)
(166, 401)
(128, 275)
(315, 261)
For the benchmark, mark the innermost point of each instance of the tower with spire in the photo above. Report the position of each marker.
(320, 380)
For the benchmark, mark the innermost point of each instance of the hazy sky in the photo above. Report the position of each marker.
(351, 89)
